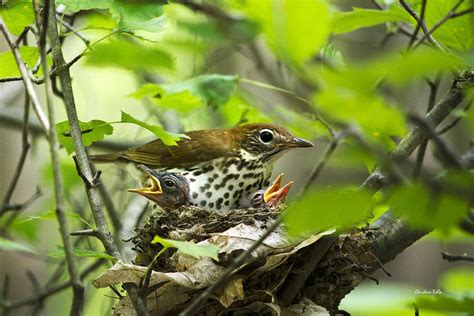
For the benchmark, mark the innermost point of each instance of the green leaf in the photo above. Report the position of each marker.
(377, 119)
(425, 209)
(323, 209)
(457, 33)
(78, 5)
(50, 216)
(130, 55)
(458, 280)
(92, 132)
(212, 90)
(169, 139)
(189, 248)
(445, 303)
(8, 66)
(237, 109)
(10, 245)
(283, 22)
(79, 252)
(17, 16)
(344, 22)
(138, 16)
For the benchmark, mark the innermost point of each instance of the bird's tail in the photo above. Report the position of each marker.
(105, 158)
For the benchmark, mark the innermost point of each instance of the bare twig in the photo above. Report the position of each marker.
(25, 146)
(78, 288)
(420, 156)
(451, 15)
(451, 258)
(418, 24)
(418, 134)
(455, 121)
(83, 162)
(47, 292)
(421, 23)
(85, 232)
(447, 156)
(27, 82)
(10, 118)
(323, 160)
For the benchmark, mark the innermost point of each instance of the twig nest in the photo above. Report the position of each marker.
(255, 287)
(195, 225)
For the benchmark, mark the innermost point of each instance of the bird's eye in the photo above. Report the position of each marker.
(266, 136)
(169, 183)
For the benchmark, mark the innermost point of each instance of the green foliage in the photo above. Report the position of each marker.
(51, 215)
(78, 5)
(458, 280)
(457, 33)
(8, 66)
(92, 132)
(344, 22)
(445, 303)
(17, 15)
(138, 16)
(14, 246)
(212, 90)
(328, 208)
(130, 55)
(282, 24)
(425, 209)
(79, 252)
(169, 139)
(188, 248)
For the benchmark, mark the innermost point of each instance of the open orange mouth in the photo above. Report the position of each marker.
(153, 189)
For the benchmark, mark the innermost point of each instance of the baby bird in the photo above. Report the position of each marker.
(170, 190)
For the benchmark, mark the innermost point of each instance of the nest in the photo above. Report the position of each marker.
(177, 278)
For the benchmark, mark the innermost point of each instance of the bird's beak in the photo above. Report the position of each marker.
(276, 194)
(299, 142)
(154, 189)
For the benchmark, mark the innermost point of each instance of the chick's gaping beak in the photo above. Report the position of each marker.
(150, 191)
(276, 194)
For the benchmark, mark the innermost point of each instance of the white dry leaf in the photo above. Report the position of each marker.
(305, 307)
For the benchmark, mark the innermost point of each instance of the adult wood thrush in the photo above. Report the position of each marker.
(223, 166)
(170, 190)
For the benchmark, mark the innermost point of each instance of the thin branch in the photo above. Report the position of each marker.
(418, 134)
(451, 258)
(447, 156)
(25, 146)
(85, 232)
(455, 121)
(323, 160)
(422, 23)
(10, 118)
(78, 288)
(50, 291)
(451, 15)
(27, 82)
(420, 156)
(418, 24)
(82, 159)
(18, 208)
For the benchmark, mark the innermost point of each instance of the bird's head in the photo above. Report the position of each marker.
(267, 140)
(167, 189)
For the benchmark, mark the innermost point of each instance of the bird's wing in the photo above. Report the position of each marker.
(201, 147)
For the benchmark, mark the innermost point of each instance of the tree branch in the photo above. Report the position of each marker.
(451, 258)
(418, 134)
(78, 288)
(82, 159)
(25, 146)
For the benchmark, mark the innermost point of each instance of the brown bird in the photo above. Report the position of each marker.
(170, 191)
(223, 166)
